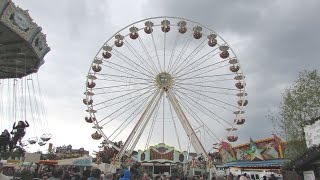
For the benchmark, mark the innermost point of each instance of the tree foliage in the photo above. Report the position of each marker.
(300, 104)
(108, 152)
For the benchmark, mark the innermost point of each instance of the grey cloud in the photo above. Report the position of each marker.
(277, 40)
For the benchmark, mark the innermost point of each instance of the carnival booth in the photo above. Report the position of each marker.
(162, 159)
(261, 156)
(80, 161)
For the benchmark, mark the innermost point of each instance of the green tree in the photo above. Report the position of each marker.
(300, 104)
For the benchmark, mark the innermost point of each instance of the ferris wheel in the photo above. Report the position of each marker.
(165, 80)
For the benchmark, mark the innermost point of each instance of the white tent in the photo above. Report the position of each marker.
(81, 161)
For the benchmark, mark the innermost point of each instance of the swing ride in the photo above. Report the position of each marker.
(22, 49)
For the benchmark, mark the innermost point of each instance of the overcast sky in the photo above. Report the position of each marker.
(274, 40)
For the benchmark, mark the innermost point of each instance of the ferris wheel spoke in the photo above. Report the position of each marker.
(126, 75)
(204, 77)
(120, 81)
(214, 87)
(128, 121)
(206, 91)
(108, 91)
(122, 95)
(180, 55)
(126, 67)
(164, 51)
(201, 99)
(205, 108)
(123, 90)
(212, 134)
(200, 60)
(202, 68)
(123, 109)
(122, 85)
(206, 100)
(197, 118)
(189, 58)
(156, 51)
(195, 101)
(143, 61)
(208, 81)
(121, 76)
(197, 74)
(131, 63)
(148, 55)
(195, 82)
(131, 70)
(117, 97)
(125, 99)
(173, 51)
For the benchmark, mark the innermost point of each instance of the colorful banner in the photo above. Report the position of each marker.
(264, 149)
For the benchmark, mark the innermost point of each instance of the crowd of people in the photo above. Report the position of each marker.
(37, 172)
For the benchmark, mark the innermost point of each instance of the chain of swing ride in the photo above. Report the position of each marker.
(18, 98)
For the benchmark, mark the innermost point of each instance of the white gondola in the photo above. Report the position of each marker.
(46, 137)
(41, 143)
(32, 140)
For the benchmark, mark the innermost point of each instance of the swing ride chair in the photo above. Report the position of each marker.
(161, 77)
(22, 50)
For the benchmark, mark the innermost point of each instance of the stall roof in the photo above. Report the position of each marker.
(266, 163)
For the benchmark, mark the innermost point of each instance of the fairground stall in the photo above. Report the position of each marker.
(162, 159)
(264, 156)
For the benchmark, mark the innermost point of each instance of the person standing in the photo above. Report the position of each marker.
(272, 177)
(126, 175)
(95, 174)
(102, 175)
(145, 176)
(230, 176)
(243, 177)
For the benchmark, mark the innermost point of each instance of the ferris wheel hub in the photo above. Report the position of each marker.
(164, 80)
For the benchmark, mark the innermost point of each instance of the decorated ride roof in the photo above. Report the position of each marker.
(260, 150)
(162, 153)
(22, 44)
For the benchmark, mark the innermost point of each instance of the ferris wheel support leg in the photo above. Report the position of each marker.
(135, 130)
(150, 113)
(187, 127)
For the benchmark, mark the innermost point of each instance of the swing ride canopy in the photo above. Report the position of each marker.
(22, 44)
